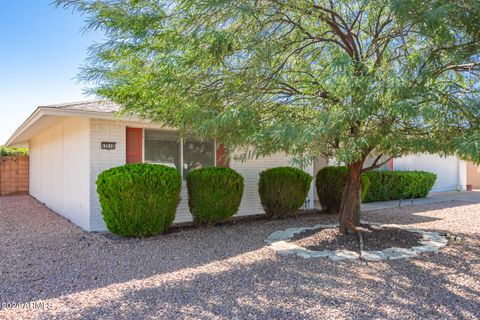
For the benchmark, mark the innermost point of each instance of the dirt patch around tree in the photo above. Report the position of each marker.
(379, 238)
(375, 238)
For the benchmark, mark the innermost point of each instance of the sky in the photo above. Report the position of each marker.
(41, 51)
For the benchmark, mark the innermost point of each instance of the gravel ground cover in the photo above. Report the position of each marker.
(52, 269)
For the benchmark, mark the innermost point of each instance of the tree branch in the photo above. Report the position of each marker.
(376, 165)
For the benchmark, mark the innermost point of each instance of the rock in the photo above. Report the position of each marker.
(434, 243)
(416, 230)
(399, 253)
(283, 247)
(279, 235)
(343, 255)
(373, 255)
(320, 254)
(293, 231)
(453, 238)
(435, 238)
(305, 255)
(325, 226)
(431, 242)
(426, 248)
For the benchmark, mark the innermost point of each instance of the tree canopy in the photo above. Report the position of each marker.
(339, 78)
(308, 77)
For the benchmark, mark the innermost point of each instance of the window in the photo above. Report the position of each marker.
(197, 154)
(165, 147)
(162, 147)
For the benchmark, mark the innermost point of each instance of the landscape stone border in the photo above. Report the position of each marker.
(431, 242)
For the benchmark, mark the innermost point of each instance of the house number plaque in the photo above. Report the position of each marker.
(108, 145)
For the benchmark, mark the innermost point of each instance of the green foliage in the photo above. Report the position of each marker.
(283, 190)
(330, 183)
(340, 78)
(214, 194)
(12, 152)
(139, 199)
(394, 185)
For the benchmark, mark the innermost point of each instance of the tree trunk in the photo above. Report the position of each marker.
(358, 207)
(350, 197)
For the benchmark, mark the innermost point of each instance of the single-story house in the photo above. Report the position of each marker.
(70, 144)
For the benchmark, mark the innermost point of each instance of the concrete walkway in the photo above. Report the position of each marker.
(433, 197)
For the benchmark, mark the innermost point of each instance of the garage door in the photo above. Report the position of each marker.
(446, 169)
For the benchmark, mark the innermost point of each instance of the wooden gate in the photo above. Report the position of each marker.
(14, 175)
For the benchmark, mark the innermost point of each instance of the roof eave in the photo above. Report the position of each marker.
(37, 114)
(52, 111)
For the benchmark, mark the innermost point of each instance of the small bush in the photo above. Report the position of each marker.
(214, 194)
(394, 185)
(12, 152)
(330, 183)
(139, 199)
(283, 190)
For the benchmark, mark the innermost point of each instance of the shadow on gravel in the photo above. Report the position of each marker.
(412, 214)
(45, 256)
(225, 272)
(293, 288)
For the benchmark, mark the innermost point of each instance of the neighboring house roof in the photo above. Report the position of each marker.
(45, 116)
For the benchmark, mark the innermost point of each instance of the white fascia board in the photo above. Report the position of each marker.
(41, 112)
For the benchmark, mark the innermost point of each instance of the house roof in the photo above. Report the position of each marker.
(45, 116)
(91, 106)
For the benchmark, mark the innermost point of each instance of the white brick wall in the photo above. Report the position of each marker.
(115, 131)
(100, 160)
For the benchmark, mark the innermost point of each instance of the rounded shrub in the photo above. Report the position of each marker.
(283, 190)
(214, 194)
(139, 199)
(330, 182)
(395, 185)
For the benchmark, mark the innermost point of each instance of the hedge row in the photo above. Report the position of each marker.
(376, 186)
(141, 199)
(394, 185)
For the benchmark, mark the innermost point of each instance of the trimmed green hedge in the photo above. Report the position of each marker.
(394, 185)
(214, 194)
(330, 183)
(139, 199)
(283, 190)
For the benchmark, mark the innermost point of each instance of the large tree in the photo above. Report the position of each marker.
(344, 79)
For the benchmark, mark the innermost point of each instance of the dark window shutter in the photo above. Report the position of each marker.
(134, 145)
(222, 159)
